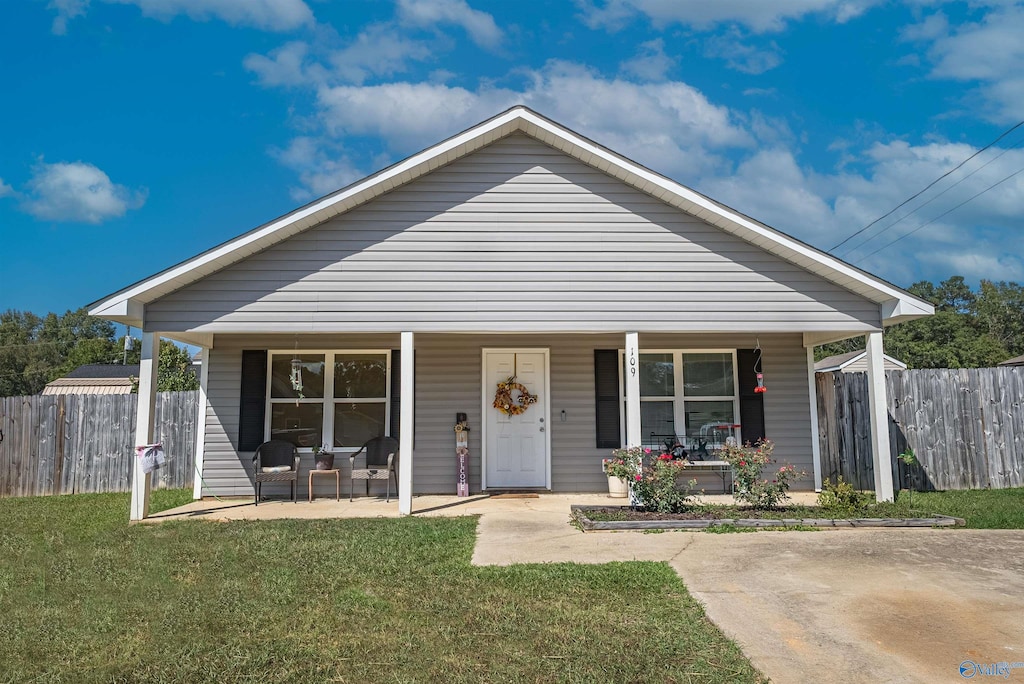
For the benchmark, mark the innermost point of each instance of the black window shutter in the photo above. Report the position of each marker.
(396, 391)
(751, 403)
(608, 398)
(253, 403)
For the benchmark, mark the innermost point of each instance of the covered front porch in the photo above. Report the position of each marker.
(449, 373)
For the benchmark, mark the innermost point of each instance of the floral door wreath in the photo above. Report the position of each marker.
(512, 398)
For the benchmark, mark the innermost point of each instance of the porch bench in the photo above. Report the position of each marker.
(721, 468)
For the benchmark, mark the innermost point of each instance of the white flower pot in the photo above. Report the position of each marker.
(618, 488)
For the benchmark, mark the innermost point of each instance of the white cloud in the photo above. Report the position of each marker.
(989, 52)
(77, 191)
(379, 50)
(669, 126)
(428, 13)
(269, 15)
(650, 63)
(66, 10)
(322, 167)
(760, 16)
(5, 190)
(742, 56)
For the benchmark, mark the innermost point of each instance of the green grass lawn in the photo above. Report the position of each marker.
(84, 597)
(981, 508)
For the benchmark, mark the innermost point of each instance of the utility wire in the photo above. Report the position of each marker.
(927, 187)
(929, 201)
(890, 244)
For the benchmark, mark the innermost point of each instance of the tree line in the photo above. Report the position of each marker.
(971, 328)
(35, 350)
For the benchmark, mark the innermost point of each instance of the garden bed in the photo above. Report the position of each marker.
(700, 517)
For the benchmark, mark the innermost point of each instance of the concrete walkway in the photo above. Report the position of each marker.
(860, 605)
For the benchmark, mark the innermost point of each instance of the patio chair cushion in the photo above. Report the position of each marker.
(275, 469)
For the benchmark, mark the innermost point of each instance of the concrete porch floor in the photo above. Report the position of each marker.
(324, 507)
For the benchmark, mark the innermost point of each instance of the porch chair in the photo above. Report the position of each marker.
(276, 461)
(381, 455)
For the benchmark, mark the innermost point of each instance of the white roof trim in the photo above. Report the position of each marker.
(126, 305)
(858, 357)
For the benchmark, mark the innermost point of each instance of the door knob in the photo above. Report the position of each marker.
(542, 428)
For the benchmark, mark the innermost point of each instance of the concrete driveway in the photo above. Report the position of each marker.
(863, 605)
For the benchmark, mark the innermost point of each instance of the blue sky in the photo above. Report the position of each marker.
(136, 133)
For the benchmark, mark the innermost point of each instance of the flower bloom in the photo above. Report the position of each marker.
(647, 451)
(639, 477)
(743, 463)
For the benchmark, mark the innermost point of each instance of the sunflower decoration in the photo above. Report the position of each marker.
(512, 398)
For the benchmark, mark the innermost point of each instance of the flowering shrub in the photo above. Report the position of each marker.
(752, 487)
(656, 487)
(625, 463)
(652, 479)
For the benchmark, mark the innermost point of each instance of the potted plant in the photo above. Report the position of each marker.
(622, 467)
(323, 459)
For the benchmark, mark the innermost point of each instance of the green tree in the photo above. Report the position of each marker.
(175, 372)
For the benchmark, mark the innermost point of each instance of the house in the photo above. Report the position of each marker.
(1015, 361)
(96, 378)
(626, 303)
(855, 362)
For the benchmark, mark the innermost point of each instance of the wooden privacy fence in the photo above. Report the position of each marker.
(966, 427)
(67, 444)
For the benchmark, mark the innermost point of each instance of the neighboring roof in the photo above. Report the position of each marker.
(1015, 361)
(126, 306)
(105, 370)
(840, 361)
(89, 386)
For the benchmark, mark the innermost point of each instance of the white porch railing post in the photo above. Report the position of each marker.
(204, 380)
(144, 422)
(407, 428)
(632, 372)
(879, 411)
(812, 393)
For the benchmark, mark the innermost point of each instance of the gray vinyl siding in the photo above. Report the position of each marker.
(516, 237)
(448, 380)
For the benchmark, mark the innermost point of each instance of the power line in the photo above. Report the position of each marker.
(890, 244)
(929, 201)
(927, 187)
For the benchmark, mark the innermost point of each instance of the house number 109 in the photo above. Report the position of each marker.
(632, 362)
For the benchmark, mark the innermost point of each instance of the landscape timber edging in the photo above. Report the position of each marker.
(579, 514)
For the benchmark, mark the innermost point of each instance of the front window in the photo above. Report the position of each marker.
(343, 408)
(689, 395)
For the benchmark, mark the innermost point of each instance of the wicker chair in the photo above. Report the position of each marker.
(381, 454)
(269, 460)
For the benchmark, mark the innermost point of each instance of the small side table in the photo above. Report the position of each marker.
(337, 482)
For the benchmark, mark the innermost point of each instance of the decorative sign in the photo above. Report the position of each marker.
(462, 454)
(151, 457)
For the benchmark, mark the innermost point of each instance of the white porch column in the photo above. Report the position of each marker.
(632, 372)
(407, 428)
(144, 422)
(812, 393)
(879, 418)
(204, 379)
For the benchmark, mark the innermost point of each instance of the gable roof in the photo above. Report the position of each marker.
(840, 361)
(127, 305)
(1015, 361)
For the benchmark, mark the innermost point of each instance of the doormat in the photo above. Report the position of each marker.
(516, 495)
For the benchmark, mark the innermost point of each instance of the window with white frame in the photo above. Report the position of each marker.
(339, 399)
(693, 395)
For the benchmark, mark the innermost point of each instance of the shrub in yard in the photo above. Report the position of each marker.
(625, 463)
(748, 463)
(841, 498)
(657, 486)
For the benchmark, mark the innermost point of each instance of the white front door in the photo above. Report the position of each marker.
(516, 447)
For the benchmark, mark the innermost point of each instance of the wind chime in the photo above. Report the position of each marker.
(296, 376)
(759, 388)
